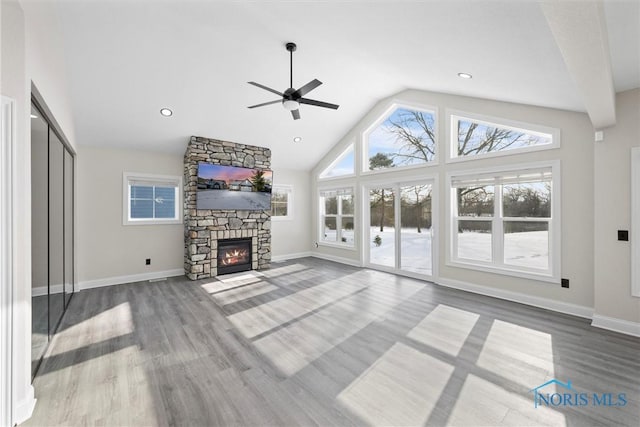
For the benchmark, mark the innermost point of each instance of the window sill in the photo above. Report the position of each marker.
(541, 277)
(281, 218)
(152, 222)
(337, 245)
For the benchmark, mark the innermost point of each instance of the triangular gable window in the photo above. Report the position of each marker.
(343, 165)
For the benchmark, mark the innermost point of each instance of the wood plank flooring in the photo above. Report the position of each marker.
(311, 342)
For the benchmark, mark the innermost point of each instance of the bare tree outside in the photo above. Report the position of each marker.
(378, 196)
(477, 138)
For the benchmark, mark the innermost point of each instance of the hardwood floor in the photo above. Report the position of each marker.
(311, 342)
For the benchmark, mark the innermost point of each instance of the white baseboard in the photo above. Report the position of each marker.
(339, 259)
(118, 280)
(23, 409)
(616, 325)
(561, 307)
(286, 257)
(40, 291)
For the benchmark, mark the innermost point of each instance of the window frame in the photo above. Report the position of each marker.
(497, 264)
(396, 104)
(453, 116)
(288, 190)
(321, 210)
(174, 181)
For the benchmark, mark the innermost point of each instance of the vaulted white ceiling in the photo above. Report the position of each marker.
(128, 59)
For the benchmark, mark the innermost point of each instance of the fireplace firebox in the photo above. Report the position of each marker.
(234, 255)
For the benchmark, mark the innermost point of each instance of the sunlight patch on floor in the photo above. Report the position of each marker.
(518, 354)
(294, 346)
(400, 388)
(257, 320)
(232, 281)
(445, 328)
(277, 270)
(481, 402)
(245, 292)
(106, 325)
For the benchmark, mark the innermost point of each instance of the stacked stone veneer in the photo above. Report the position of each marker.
(203, 227)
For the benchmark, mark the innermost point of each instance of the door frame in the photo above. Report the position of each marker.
(635, 221)
(7, 257)
(395, 184)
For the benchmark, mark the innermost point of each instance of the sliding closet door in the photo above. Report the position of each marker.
(40, 237)
(68, 227)
(56, 231)
(52, 232)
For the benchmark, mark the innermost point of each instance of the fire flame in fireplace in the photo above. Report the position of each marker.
(234, 256)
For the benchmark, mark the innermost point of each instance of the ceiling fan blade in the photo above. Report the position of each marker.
(317, 103)
(266, 103)
(295, 114)
(306, 88)
(266, 88)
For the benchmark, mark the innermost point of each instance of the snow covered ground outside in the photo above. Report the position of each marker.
(527, 249)
(415, 249)
(225, 199)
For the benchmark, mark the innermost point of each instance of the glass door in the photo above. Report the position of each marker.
(382, 226)
(400, 227)
(415, 229)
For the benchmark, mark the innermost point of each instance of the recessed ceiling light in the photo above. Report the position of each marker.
(297, 139)
(465, 75)
(166, 112)
(33, 116)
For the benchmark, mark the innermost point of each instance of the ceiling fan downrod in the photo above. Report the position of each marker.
(291, 47)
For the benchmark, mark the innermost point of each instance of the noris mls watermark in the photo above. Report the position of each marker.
(566, 395)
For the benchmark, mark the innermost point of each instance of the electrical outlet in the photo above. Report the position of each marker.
(623, 235)
(564, 283)
(147, 261)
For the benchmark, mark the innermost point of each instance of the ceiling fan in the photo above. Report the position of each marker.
(292, 98)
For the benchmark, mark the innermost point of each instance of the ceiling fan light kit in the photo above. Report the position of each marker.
(292, 98)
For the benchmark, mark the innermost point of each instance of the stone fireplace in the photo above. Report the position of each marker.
(209, 232)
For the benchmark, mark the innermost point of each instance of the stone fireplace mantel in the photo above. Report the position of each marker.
(205, 227)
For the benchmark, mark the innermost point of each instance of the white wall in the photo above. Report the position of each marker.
(14, 83)
(576, 155)
(292, 237)
(46, 65)
(612, 205)
(106, 248)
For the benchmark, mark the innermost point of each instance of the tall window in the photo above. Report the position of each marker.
(474, 136)
(405, 137)
(282, 202)
(505, 219)
(151, 199)
(337, 217)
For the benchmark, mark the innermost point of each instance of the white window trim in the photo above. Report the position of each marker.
(337, 160)
(321, 215)
(387, 112)
(288, 189)
(635, 221)
(454, 115)
(555, 227)
(159, 179)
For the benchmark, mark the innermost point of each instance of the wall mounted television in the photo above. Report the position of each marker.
(232, 187)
